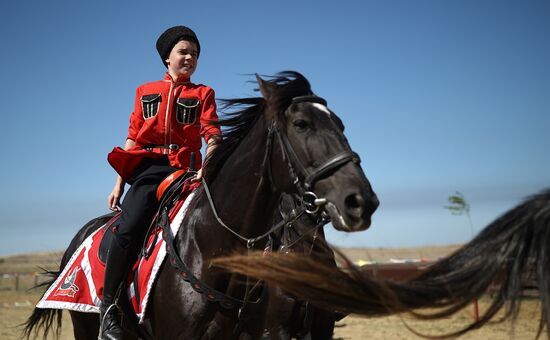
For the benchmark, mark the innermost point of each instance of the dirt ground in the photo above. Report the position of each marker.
(16, 307)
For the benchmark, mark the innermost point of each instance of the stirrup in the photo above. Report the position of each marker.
(102, 321)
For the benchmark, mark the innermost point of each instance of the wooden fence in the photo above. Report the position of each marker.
(20, 282)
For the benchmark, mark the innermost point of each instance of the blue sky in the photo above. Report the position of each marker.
(437, 96)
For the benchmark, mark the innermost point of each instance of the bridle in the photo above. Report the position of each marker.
(305, 185)
(302, 178)
(310, 202)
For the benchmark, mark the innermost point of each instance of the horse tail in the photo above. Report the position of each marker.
(508, 252)
(511, 246)
(346, 290)
(44, 318)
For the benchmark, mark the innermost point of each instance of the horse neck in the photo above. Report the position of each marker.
(242, 192)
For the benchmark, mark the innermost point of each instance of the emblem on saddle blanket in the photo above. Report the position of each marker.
(68, 287)
(79, 287)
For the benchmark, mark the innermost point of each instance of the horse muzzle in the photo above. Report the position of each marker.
(354, 214)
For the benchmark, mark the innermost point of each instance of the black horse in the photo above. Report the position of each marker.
(287, 316)
(285, 141)
(515, 246)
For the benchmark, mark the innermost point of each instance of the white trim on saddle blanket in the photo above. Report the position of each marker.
(80, 286)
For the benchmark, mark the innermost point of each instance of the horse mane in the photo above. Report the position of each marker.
(241, 114)
(515, 244)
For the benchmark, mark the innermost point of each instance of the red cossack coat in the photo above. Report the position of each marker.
(169, 118)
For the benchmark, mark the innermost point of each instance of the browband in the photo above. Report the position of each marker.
(309, 99)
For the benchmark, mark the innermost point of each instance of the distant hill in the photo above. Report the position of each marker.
(33, 262)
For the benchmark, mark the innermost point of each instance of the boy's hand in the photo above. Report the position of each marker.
(113, 200)
(198, 178)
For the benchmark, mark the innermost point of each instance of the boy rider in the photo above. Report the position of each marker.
(169, 119)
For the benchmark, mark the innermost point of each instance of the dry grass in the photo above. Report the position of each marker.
(384, 254)
(15, 307)
(395, 327)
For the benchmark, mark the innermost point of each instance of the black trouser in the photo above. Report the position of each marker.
(138, 209)
(140, 203)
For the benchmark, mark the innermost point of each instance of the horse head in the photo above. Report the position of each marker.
(311, 158)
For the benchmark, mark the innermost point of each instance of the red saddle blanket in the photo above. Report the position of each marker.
(79, 287)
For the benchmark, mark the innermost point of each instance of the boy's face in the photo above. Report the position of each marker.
(182, 60)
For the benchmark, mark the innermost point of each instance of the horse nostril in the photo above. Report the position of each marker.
(355, 203)
(358, 205)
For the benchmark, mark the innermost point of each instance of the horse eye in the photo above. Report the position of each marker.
(300, 125)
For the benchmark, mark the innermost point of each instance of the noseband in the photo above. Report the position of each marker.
(310, 177)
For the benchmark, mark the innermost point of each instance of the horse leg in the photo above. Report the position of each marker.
(85, 325)
(279, 333)
(322, 325)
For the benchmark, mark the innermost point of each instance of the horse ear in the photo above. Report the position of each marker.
(265, 87)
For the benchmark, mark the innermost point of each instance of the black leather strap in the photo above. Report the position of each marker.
(332, 164)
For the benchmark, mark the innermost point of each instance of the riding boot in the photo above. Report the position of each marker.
(116, 270)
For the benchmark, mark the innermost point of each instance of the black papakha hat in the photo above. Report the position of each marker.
(171, 36)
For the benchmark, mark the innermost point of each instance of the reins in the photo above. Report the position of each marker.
(310, 204)
(295, 214)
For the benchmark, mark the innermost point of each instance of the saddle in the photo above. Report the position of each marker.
(166, 190)
(169, 182)
(168, 185)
